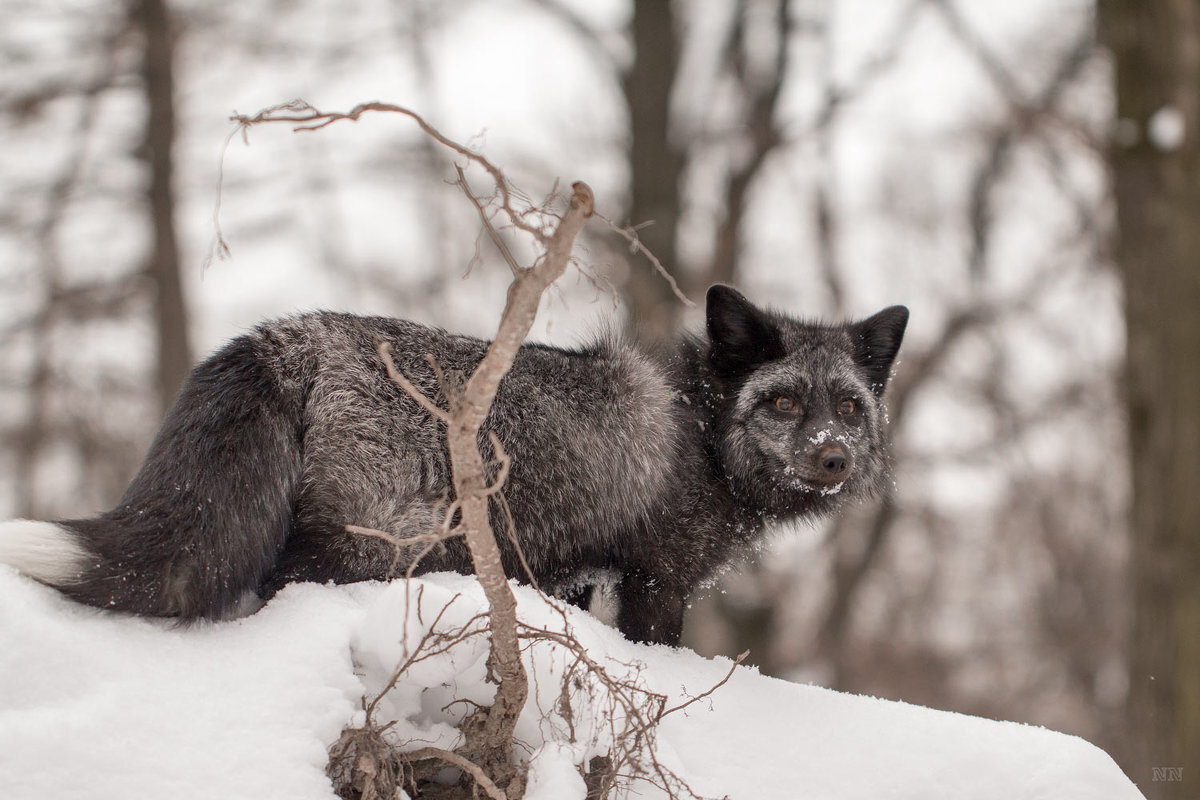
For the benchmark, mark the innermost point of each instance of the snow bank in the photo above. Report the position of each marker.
(94, 705)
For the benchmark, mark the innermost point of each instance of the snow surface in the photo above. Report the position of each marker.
(95, 705)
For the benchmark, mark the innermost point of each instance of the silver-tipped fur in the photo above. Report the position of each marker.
(657, 466)
(42, 550)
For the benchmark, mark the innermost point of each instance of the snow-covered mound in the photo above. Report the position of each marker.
(94, 705)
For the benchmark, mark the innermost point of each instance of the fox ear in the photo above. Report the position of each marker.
(742, 335)
(876, 340)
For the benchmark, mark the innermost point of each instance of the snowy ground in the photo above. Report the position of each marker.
(94, 705)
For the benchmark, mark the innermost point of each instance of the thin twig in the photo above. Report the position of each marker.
(732, 667)
(312, 119)
(494, 234)
(629, 234)
(385, 354)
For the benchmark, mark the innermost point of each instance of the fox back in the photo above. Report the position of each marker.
(656, 466)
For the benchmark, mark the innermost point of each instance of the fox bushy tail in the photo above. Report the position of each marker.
(204, 520)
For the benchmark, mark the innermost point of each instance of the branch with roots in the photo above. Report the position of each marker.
(490, 741)
(366, 763)
(362, 763)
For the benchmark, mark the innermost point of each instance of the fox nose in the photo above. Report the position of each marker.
(834, 461)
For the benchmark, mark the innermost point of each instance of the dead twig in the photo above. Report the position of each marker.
(385, 355)
(732, 668)
(636, 245)
(309, 118)
(486, 220)
(454, 759)
(361, 758)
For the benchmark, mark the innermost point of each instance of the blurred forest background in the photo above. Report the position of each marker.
(969, 159)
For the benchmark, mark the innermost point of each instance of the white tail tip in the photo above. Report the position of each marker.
(42, 550)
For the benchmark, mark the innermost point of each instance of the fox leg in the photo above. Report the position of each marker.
(651, 608)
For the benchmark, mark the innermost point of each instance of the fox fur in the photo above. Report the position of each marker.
(657, 466)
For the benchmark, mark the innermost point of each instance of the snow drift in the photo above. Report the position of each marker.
(95, 705)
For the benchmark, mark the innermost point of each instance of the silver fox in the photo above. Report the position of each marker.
(657, 466)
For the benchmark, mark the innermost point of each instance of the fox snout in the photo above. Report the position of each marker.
(833, 463)
(822, 465)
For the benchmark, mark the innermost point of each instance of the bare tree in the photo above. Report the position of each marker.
(740, 134)
(655, 161)
(489, 732)
(1156, 174)
(123, 51)
(170, 311)
(859, 543)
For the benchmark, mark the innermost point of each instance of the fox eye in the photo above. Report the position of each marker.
(787, 405)
(847, 407)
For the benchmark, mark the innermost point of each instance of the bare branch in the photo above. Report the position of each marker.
(990, 62)
(765, 137)
(312, 119)
(385, 354)
(466, 765)
(629, 234)
(488, 740)
(486, 753)
(433, 642)
(505, 461)
(836, 97)
(494, 234)
(732, 668)
(1004, 143)
(582, 30)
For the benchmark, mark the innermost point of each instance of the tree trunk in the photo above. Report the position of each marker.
(655, 166)
(170, 311)
(1156, 172)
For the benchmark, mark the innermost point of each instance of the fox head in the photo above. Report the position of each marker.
(802, 429)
